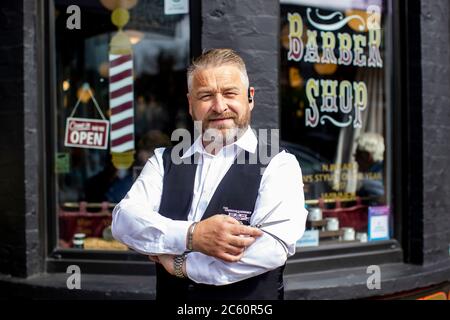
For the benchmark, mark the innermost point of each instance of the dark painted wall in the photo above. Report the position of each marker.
(19, 243)
(436, 129)
(251, 28)
(12, 219)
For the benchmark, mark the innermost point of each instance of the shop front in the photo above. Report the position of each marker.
(339, 80)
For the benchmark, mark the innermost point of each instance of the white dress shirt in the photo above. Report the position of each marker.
(137, 223)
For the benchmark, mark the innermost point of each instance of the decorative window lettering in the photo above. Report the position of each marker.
(329, 43)
(312, 113)
(295, 37)
(345, 49)
(328, 40)
(312, 49)
(350, 95)
(351, 50)
(329, 96)
(374, 49)
(359, 42)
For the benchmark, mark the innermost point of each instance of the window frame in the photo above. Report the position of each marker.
(311, 259)
(58, 259)
(403, 146)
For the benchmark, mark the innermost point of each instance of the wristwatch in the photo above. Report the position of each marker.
(178, 266)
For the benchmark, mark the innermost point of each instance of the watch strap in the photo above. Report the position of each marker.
(178, 266)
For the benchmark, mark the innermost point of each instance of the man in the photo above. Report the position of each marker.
(195, 219)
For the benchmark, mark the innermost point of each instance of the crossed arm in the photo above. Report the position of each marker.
(224, 250)
(219, 236)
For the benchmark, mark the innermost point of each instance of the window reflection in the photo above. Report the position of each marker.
(334, 101)
(89, 181)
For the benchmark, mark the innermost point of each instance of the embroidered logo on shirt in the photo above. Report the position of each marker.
(240, 215)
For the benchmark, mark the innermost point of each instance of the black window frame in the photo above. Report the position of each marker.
(406, 188)
(407, 232)
(89, 261)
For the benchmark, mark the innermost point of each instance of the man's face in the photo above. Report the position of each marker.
(219, 99)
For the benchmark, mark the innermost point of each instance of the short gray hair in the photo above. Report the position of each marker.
(373, 143)
(216, 58)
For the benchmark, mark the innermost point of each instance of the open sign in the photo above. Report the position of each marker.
(86, 133)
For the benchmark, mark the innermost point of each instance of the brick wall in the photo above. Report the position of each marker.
(436, 128)
(19, 241)
(251, 28)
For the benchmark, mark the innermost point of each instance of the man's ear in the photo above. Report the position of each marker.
(190, 104)
(252, 95)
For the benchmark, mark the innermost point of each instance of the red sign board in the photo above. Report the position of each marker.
(86, 133)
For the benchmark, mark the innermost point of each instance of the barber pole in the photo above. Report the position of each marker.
(121, 95)
(121, 102)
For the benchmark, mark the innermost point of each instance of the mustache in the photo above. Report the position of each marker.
(228, 115)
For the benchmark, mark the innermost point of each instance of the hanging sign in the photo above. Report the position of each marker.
(87, 133)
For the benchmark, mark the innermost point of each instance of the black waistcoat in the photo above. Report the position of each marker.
(237, 190)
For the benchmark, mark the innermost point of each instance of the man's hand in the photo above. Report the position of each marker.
(166, 260)
(154, 259)
(223, 237)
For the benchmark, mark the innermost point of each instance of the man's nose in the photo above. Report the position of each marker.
(219, 104)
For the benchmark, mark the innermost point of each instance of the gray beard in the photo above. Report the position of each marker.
(214, 139)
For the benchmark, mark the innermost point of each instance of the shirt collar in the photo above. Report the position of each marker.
(247, 142)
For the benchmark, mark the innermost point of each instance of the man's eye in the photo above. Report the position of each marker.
(205, 97)
(230, 94)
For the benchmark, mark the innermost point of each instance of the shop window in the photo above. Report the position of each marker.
(120, 77)
(335, 100)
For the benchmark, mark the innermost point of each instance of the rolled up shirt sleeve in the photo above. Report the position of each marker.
(282, 186)
(136, 221)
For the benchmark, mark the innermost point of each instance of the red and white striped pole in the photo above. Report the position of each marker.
(121, 102)
(121, 95)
